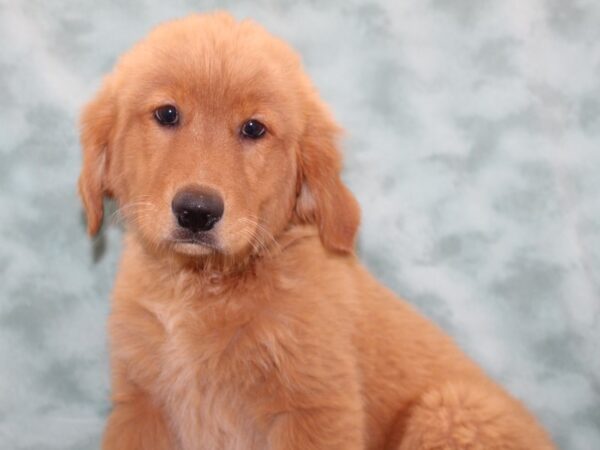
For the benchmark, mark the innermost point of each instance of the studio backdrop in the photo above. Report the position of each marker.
(472, 143)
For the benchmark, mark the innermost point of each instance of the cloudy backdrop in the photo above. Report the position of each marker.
(472, 144)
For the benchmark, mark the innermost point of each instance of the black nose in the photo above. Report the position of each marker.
(197, 208)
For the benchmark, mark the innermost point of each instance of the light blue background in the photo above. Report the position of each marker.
(472, 144)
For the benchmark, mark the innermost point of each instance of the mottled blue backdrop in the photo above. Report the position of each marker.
(472, 143)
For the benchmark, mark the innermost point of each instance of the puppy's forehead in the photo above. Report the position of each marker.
(212, 55)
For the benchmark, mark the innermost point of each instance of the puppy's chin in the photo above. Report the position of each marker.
(192, 249)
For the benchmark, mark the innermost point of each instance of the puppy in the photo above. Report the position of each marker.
(241, 317)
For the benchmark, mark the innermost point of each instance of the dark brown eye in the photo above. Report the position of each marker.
(253, 129)
(166, 115)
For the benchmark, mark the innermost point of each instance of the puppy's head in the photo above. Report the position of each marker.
(212, 139)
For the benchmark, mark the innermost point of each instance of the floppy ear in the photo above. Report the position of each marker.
(97, 122)
(323, 198)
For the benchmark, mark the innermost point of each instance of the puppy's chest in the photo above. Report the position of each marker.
(215, 361)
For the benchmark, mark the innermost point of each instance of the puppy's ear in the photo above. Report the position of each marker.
(97, 121)
(323, 198)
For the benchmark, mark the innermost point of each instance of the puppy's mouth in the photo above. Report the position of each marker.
(194, 242)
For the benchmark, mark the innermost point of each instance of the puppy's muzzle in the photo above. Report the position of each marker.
(197, 208)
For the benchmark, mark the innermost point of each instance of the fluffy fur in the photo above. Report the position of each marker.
(274, 336)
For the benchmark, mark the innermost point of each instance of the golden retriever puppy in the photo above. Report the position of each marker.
(241, 317)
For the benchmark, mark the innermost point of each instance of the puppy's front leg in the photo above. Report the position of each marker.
(317, 429)
(136, 426)
(317, 405)
(136, 423)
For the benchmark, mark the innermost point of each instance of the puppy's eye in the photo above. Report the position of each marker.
(166, 115)
(253, 129)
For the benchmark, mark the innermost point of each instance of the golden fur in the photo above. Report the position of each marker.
(275, 337)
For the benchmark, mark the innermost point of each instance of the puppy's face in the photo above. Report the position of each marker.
(212, 140)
